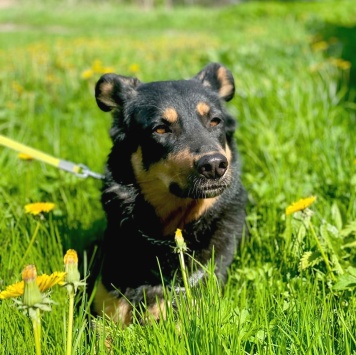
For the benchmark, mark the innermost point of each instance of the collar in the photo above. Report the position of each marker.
(161, 242)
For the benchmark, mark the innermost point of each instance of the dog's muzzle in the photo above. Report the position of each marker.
(208, 179)
(212, 166)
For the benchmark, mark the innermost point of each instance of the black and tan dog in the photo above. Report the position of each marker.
(173, 164)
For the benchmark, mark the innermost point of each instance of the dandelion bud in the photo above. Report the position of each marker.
(179, 238)
(32, 294)
(180, 243)
(71, 266)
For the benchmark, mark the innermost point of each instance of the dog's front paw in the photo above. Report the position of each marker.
(144, 304)
(148, 302)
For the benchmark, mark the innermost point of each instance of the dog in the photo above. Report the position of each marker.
(173, 165)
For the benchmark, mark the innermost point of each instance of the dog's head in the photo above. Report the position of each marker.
(171, 138)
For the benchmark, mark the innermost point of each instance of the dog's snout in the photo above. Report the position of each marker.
(212, 166)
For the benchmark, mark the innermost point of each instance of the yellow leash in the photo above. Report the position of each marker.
(77, 169)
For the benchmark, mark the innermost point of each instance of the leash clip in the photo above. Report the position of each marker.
(85, 172)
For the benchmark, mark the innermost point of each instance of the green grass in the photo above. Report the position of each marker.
(295, 104)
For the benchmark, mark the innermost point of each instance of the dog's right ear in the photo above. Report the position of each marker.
(219, 79)
(112, 90)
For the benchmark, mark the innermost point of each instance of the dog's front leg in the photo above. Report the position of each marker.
(144, 303)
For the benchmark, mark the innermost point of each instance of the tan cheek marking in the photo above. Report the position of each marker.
(170, 114)
(155, 182)
(203, 109)
(118, 309)
(228, 153)
(226, 86)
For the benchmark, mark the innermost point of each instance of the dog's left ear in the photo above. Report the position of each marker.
(219, 79)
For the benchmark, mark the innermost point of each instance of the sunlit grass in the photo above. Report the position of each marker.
(296, 135)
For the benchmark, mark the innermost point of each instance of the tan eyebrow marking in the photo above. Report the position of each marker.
(170, 114)
(203, 108)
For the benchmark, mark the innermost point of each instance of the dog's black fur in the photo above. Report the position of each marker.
(173, 164)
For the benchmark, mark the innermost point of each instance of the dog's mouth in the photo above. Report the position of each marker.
(199, 189)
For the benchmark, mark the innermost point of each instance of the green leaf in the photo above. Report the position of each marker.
(326, 237)
(349, 245)
(349, 229)
(351, 270)
(346, 280)
(309, 259)
(336, 215)
(301, 233)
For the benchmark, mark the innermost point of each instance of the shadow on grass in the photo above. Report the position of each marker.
(82, 239)
(343, 45)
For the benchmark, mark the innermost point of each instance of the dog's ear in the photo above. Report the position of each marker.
(219, 79)
(112, 90)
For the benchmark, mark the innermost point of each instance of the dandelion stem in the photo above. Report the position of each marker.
(36, 322)
(70, 323)
(326, 260)
(184, 274)
(31, 242)
(180, 249)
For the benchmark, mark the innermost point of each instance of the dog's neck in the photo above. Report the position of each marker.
(173, 212)
(177, 212)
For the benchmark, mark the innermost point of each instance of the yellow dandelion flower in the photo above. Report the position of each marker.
(108, 70)
(24, 156)
(97, 66)
(340, 63)
(44, 282)
(300, 205)
(39, 207)
(134, 68)
(17, 87)
(50, 78)
(344, 65)
(320, 46)
(13, 291)
(87, 74)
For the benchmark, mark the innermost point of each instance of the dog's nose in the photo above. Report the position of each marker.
(212, 166)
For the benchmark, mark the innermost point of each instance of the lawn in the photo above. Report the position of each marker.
(291, 288)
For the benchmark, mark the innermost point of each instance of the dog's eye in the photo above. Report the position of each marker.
(161, 129)
(214, 121)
